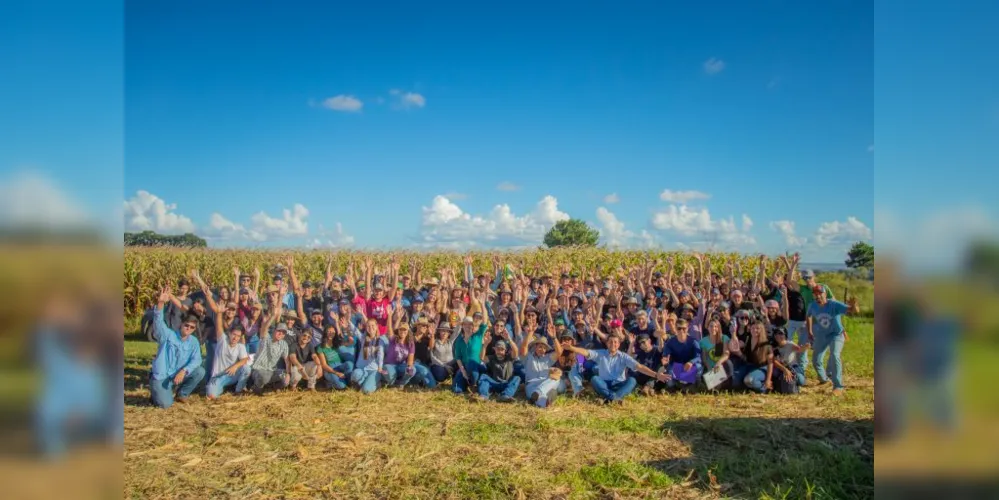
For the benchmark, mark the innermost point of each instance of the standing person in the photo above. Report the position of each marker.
(498, 376)
(229, 367)
(825, 333)
(177, 365)
(467, 353)
(612, 381)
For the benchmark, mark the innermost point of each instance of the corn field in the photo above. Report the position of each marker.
(147, 269)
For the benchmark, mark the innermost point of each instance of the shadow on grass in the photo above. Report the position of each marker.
(776, 458)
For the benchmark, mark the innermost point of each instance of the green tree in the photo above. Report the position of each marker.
(572, 232)
(861, 254)
(150, 238)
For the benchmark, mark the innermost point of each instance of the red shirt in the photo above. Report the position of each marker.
(378, 309)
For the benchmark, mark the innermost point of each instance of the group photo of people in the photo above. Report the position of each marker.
(501, 336)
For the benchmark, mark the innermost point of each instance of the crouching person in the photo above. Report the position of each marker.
(304, 362)
(230, 364)
(369, 365)
(334, 370)
(270, 352)
(498, 376)
(177, 365)
(612, 382)
(682, 357)
(542, 384)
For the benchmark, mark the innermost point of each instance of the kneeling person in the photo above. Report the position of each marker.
(230, 366)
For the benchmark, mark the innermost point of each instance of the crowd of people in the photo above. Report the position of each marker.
(488, 335)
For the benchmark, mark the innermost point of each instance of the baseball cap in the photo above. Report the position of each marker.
(772, 303)
(306, 284)
(500, 344)
(418, 298)
(616, 323)
(643, 337)
(808, 273)
(468, 319)
(313, 312)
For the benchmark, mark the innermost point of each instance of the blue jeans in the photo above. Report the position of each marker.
(739, 371)
(755, 379)
(489, 385)
(209, 358)
(797, 332)
(441, 372)
(398, 375)
(365, 380)
(575, 381)
(338, 383)
(459, 384)
(613, 391)
(834, 343)
(423, 375)
(161, 391)
(219, 382)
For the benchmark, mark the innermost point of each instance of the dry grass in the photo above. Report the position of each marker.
(431, 444)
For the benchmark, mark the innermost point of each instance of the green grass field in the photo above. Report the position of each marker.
(431, 444)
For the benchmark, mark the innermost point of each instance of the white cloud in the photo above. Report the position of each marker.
(408, 100)
(682, 197)
(612, 229)
(146, 211)
(445, 224)
(291, 224)
(842, 233)
(714, 66)
(29, 198)
(697, 225)
(455, 196)
(612, 199)
(507, 186)
(343, 102)
(336, 238)
(787, 230)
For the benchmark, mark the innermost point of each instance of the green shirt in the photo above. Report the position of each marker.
(809, 297)
(331, 355)
(468, 352)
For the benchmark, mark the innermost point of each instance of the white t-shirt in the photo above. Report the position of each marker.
(787, 354)
(226, 356)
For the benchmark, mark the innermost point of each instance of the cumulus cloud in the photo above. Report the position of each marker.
(612, 199)
(343, 102)
(33, 199)
(445, 224)
(714, 66)
(146, 211)
(454, 196)
(507, 186)
(336, 238)
(612, 230)
(408, 100)
(696, 224)
(787, 231)
(291, 224)
(842, 232)
(682, 197)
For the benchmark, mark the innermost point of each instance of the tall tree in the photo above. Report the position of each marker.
(572, 232)
(861, 254)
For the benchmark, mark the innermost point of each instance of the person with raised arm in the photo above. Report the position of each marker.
(467, 354)
(539, 364)
(177, 365)
(825, 333)
(612, 381)
(272, 351)
(332, 367)
(229, 366)
(370, 359)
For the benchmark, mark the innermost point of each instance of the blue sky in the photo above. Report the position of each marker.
(364, 115)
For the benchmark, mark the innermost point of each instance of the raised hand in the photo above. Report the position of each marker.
(165, 295)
